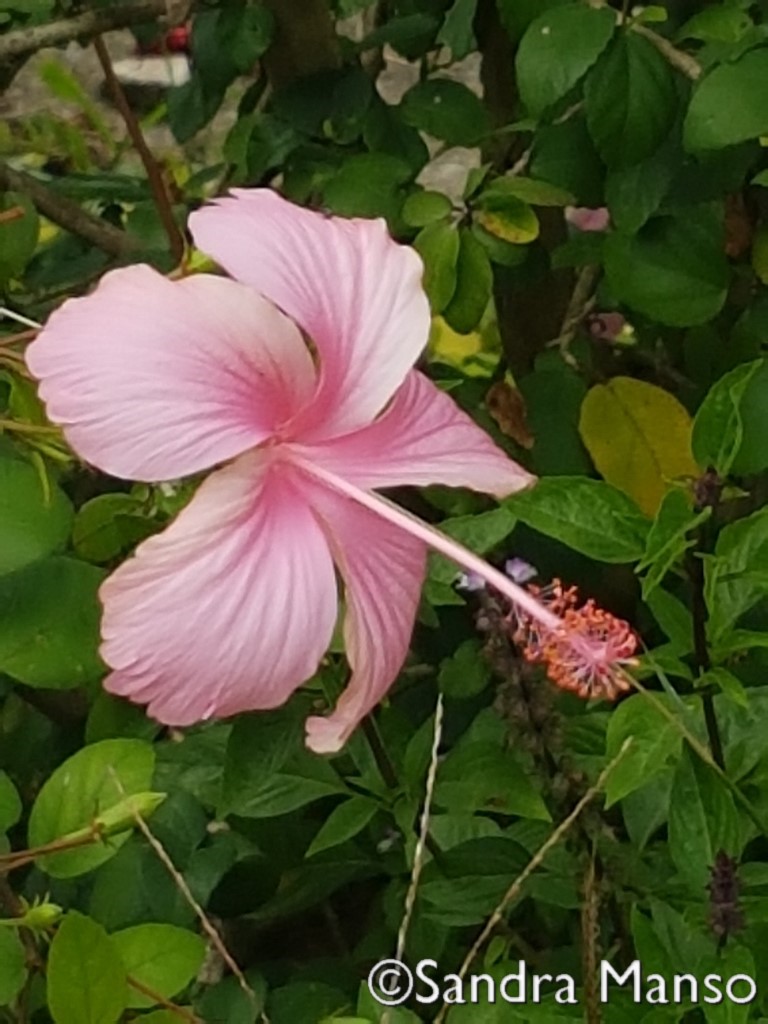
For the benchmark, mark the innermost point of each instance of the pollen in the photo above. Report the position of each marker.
(586, 652)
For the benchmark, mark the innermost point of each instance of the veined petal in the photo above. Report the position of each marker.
(231, 608)
(153, 379)
(355, 293)
(383, 570)
(422, 438)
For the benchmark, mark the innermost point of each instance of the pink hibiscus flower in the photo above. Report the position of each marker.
(233, 606)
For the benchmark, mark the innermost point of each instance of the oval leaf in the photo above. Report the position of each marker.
(639, 437)
(730, 105)
(557, 51)
(161, 957)
(588, 515)
(35, 520)
(91, 781)
(86, 977)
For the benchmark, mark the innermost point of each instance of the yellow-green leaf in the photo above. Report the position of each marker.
(508, 218)
(639, 437)
(760, 254)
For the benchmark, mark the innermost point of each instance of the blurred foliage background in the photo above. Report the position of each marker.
(587, 184)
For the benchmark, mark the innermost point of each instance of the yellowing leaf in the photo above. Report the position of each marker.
(464, 351)
(639, 437)
(508, 218)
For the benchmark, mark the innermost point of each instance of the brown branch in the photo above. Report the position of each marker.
(15, 213)
(68, 215)
(581, 302)
(25, 41)
(154, 172)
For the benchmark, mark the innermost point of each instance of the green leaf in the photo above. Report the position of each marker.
(480, 533)
(730, 105)
(702, 821)
(92, 781)
(565, 155)
(558, 49)
(108, 524)
(742, 547)
(722, 23)
(438, 246)
(49, 629)
(13, 966)
(588, 515)
(530, 190)
(466, 673)
(161, 957)
(367, 185)
(477, 777)
(343, 823)
(34, 521)
(655, 742)
(669, 538)
(634, 193)
(447, 110)
(631, 101)
(674, 270)
(10, 804)
(719, 429)
(474, 280)
(422, 208)
(18, 237)
(729, 684)
(517, 15)
(86, 978)
(558, 448)
(457, 32)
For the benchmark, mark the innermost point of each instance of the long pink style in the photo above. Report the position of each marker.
(232, 607)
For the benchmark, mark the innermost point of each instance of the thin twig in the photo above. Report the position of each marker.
(421, 842)
(25, 41)
(15, 213)
(166, 1004)
(186, 892)
(68, 215)
(154, 172)
(19, 318)
(533, 864)
(688, 65)
(581, 302)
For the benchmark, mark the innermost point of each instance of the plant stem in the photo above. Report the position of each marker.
(157, 183)
(68, 215)
(695, 567)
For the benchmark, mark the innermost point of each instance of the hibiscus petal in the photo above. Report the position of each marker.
(383, 570)
(422, 438)
(153, 379)
(231, 608)
(354, 291)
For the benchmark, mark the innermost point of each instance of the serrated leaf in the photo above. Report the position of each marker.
(86, 977)
(343, 823)
(639, 437)
(718, 429)
(655, 742)
(669, 537)
(631, 101)
(588, 515)
(557, 50)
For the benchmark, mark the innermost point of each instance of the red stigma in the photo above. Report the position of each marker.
(585, 653)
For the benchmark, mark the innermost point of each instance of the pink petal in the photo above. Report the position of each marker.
(153, 379)
(383, 570)
(353, 291)
(422, 438)
(231, 608)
